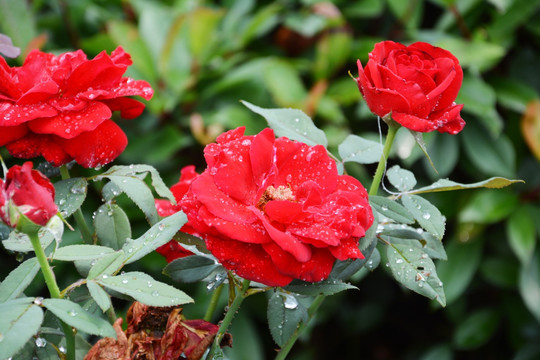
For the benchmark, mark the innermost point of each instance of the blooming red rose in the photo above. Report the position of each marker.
(59, 107)
(418, 84)
(173, 250)
(29, 192)
(274, 210)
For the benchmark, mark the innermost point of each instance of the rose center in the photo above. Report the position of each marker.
(272, 193)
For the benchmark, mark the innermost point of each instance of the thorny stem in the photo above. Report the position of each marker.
(233, 308)
(213, 303)
(312, 310)
(79, 218)
(392, 130)
(54, 290)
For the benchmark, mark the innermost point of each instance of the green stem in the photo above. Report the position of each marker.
(78, 215)
(290, 342)
(54, 290)
(240, 296)
(392, 130)
(213, 303)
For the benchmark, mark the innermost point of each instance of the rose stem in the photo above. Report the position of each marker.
(392, 129)
(240, 296)
(54, 290)
(213, 303)
(79, 218)
(290, 342)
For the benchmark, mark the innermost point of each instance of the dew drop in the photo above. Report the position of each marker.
(399, 261)
(62, 349)
(161, 227)
(290, 302)
(38, 301)
(125, 281)
(426, 216)
(155, 294)
(149, 284)
(62, 202)
(41, 342)
(72, 312)
(384, 208)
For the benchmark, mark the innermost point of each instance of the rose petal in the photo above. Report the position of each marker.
(13, 114)
(284, 240)
(253, 233)
(261, 155)
(453, 123)
(347, 249)
(249, 261)
(317, 268)
(309, 163)
(129, 108)
(32, 145)
(284, 212)
(98, 147)
(12, 133)
(414, 123)
(217, 202)
(380, 101)
(69, 125)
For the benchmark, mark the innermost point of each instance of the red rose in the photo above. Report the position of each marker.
(173, 250)
(418, 84)
(31, 193)
(274, 210)
(59, 107)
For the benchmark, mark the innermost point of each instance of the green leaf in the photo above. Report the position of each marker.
(476, 329)
(284, 314)
(529, 285)
(143, 288)
(418, 137)
(325, 287)
(20, 242)
(291, 123)
(190, 269)
(360, 150)
(81, 252)
(458, 271)
(444, 152)
(110, 191)
(521, 234)
(284, 83)
(343, 270)
(107, 264)
(159, 234)
(416, 271)
(402, 179)
(99, 295)
(332, 52)
(18, 279)
(112, 226)
(139, 193)
(513, 93)
(426, 214)
(17, 21)
(495, 157)
(69, 195)
(142, 170)
(21, 319)
(74, 315)
(449, 185)
(486, 207)
(401, 234)
(391, 209)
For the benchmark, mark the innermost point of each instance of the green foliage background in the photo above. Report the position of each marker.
(202, 57)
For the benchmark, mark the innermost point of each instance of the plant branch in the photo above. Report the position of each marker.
(213, 303)
(392, 130)
(231, 312)
(54, 290)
